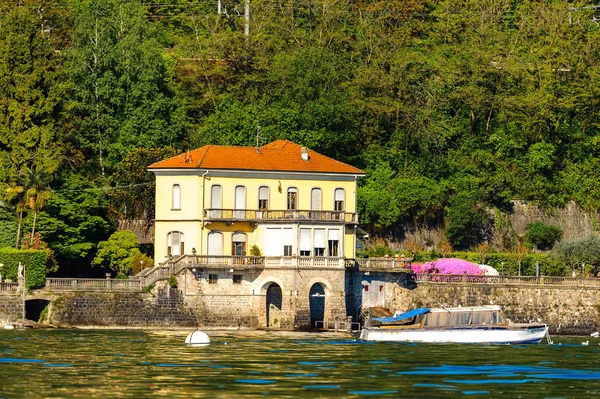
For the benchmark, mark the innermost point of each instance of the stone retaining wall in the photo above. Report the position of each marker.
(566, 310)
(165, 308)
(11, 306)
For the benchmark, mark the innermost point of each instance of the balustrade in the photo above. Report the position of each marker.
(279, 215)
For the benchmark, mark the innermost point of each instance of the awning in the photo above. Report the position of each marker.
(407, 315)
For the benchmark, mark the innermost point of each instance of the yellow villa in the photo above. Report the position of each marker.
(281, 201)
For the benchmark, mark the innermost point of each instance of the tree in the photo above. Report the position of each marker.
(134, 194)
(30, 105)
(543, 235)
(120, 86)
(74, 221)
(579, 251)
(118, 253)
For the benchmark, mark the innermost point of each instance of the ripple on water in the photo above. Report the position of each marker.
(321, 386)
(19, 360)
(256, 381)
(373, 392)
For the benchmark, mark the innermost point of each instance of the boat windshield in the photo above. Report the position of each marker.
(463, 317)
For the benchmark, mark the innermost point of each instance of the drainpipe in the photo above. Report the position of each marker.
(202, 215)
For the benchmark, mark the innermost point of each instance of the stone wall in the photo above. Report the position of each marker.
(11, 306)
(163, 309)
(566, 310)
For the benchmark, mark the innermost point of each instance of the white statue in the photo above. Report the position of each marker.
(20, 270)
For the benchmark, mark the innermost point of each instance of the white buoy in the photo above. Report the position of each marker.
(197, 338)
(595, 334)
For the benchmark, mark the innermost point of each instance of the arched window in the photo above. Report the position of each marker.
(263, 198)
(240, 202)
(216, 202)
(216, 199)
(176, 196)
(238, 244)
(292, 198)
(315, 199)
(175, 243)
(340, 197)
(215, 243)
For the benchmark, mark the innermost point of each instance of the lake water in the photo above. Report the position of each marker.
(147, 364)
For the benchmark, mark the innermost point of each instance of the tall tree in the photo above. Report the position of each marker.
(119, 82)
(30, 103)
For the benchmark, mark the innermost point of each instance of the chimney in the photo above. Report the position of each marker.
(304, 154)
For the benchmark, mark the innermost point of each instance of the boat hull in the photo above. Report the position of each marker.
(514, 334)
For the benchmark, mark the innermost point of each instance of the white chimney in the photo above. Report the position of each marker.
(304, 154)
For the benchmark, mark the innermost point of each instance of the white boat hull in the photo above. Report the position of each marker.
(513, 334)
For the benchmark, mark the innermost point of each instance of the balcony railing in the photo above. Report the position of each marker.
(232, 215)
(9, 287)
(93, 284)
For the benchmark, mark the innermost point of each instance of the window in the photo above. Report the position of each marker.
(175, 243)
(240, 202)
(238, 244)
(305, 240)
(237, 279)
(292, 198)
(333, 242)
(340, 196)
(213, 278)
(263, 198)
(288, 241)
(215, 197)
(176, 197)
(315, 199)
(287, 250)
(319, 243)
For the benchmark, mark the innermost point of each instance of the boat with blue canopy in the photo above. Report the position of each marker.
(470, 324)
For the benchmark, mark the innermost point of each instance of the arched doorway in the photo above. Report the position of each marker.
(274, 302)
(317, 304)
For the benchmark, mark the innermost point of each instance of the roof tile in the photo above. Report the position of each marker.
(280, 155)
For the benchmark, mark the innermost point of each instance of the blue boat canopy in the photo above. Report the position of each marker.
(407, 315)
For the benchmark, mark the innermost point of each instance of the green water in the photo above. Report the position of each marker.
(146, 364)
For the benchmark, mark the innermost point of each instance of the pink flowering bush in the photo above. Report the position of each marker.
(447, 266)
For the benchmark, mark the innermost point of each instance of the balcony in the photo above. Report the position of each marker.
(266, 216)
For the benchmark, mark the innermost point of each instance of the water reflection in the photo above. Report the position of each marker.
(133, 364)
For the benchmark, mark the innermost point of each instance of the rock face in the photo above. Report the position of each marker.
(504, 228)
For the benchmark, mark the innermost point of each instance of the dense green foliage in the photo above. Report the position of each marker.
(118, 253)
(450, 106)
(543, 235)
(580, 252)
(34, 261)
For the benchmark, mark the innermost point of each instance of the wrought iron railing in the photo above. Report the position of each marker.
(279, 215)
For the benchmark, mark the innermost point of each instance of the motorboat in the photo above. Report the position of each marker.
(469, 324)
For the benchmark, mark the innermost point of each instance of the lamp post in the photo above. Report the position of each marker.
(1, 266)
(582, 275)
(537, 272)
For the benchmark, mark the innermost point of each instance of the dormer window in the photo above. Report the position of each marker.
(176, 197)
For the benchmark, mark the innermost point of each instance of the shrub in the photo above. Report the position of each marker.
(577, 251)
(172, 281)
(147, 289)
(119, 252)
(543, 235)
(34, 261)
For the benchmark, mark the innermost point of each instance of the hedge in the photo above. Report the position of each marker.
(33, 260)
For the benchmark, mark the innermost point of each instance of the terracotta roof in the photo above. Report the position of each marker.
(280, 155)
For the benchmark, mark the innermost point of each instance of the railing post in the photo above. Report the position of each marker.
(74, 284)
(108, 282)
